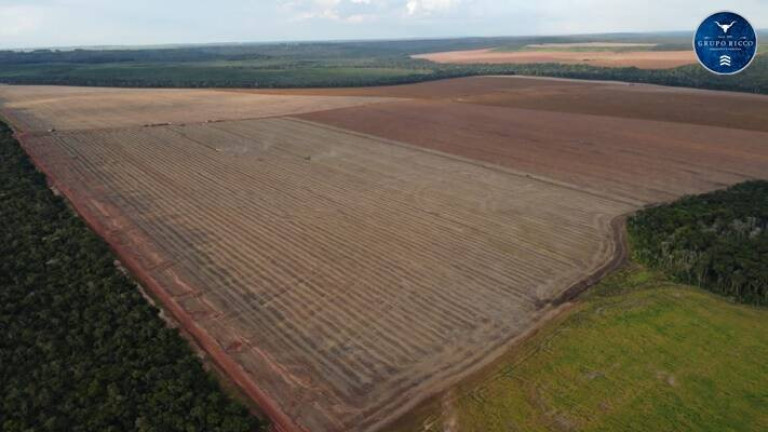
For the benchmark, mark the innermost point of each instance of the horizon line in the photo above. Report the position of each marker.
(174, 45)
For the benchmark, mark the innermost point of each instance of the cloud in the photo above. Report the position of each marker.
(335, 10)
(429, 7)
(367, 10)
(43, 23)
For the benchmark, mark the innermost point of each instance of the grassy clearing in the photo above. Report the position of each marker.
(637, 353)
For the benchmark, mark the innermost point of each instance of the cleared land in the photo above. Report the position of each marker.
(345, 268)
(614, 45)
(41, 108)
(638, 59)
(610, 99)
(637, 160)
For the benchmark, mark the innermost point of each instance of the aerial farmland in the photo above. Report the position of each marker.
(614, 54)
(345, 254)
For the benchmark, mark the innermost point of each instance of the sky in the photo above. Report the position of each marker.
(65, 23)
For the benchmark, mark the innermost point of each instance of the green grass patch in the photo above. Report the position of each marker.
(638, 353)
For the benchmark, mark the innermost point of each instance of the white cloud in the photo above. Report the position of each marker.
(429, 7)
(367, 10)
(41, 23)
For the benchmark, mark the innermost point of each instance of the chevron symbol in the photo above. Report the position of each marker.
(725, 60)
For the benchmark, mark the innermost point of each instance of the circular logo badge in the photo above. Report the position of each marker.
(725, 43)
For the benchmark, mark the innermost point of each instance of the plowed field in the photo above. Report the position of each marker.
(41, 108)
(346, 275)
(646, 161)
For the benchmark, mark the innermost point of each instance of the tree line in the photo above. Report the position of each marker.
(329, 64)
(718, 241)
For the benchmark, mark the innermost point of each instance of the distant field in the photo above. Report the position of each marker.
(581, 54)
(590, 45)
(615, 47)
(638, 353)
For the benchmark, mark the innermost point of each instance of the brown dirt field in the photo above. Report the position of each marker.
(40, 108)
(614, 99)
(647, 161)
(347, 277)
(631, 101)
(639, 59)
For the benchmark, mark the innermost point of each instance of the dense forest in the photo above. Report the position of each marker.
(338, 64)
(718, 241)
(80, 348)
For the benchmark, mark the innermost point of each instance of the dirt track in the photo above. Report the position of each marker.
(638, 59)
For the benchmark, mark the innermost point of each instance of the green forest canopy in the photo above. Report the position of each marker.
(718, 241)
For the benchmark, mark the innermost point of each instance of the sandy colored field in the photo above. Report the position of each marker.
(349, 277)
(40, 108)
(639, 59)
(593, 45)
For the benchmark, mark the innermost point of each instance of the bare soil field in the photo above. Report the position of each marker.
(348, 277)
(41, 108)
(360, 250)
(639, 59)
(613, 99)
(646, 161)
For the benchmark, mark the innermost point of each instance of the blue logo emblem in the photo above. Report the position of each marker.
(725, 43)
